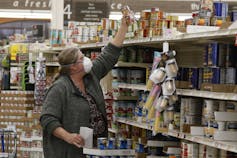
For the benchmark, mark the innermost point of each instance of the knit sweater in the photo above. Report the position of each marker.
(65, 107)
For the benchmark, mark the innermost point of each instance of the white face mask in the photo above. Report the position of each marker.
(87, 64)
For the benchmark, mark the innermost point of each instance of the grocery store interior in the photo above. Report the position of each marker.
(171, 94)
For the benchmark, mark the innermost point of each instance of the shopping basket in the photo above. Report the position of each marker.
(8, 143)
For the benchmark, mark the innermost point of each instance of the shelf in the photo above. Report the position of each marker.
(133, 86)
(15, 87)
(207, 94)
(126, 98)
(112, 130)
(128, 64)
(134, 123)
(140, 125)
(52, 64)
(119, 152)
(188, 92)
(2, 155)
(228, 146)
(157, 156)
(58, 48)
(31, 149)
(31, 139)
(17, 64)
(93, 45)
(153, 143)
(222, 33)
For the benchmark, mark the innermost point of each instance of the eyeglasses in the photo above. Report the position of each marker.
(80, 60)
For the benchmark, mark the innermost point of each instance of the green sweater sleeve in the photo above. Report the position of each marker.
(51, 116)
(106, 60)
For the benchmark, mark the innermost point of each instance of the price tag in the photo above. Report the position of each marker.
(11, 128)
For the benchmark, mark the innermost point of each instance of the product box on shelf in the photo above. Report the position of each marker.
(219, 87)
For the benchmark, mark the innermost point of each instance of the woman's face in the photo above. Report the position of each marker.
(77, 67)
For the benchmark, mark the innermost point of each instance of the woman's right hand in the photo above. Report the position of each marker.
(75, 139)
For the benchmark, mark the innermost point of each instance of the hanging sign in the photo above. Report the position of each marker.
(89, 11)
(26, 4)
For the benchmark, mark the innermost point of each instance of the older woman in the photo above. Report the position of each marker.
(75, 99)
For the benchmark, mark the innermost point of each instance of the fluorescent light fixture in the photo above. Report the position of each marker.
(32, 14)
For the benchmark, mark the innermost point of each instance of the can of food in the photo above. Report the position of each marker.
(129, 144)
(111, 143)
(145, 15)
(122, 143)
(101, 143)
(139, 148)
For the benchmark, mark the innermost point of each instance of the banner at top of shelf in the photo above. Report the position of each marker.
(91, 11)
(26, 4)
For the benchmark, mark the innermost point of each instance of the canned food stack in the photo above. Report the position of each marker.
(131, 76)
(189, 150)
(190, 112)
(107, 29)
(227, 123)
(151, 23)
(16, 110)
(208, 120)
(140, 113)
(124, 109)
(113, 144)
(57, 38)
(211, 14)
(82, 32)
(208, 152)
(136, 55)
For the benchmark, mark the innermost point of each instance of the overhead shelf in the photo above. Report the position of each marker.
(154, 143)
(17, 64)
(52, 64)
(222, 33)
(188, 92)
(113, 152)
(207, 94)
(126, 98)
(128, 64)
(228, 146)
(134, 123)
(133, 86)
(157, 156)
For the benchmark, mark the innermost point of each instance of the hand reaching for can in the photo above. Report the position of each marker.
(128, 15)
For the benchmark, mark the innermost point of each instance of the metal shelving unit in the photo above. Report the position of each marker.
(224, 145)
(126, 98)
(134, 123)
(207, 94)
(180, 38)
(118, 152)
(222, 33)
(128, 64)
(133, 86)
(188, 92)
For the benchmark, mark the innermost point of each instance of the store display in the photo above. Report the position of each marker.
(40, 79)
(194, 102)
